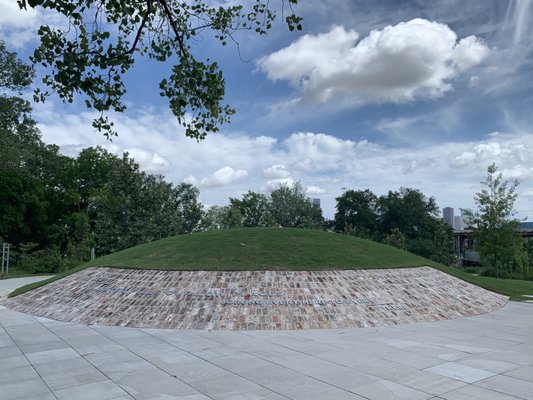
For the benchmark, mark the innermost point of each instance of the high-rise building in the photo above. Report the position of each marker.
(316, 201)
(458, 223)
(447, 215)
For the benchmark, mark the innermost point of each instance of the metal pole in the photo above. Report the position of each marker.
(4, 257)
(7, 263)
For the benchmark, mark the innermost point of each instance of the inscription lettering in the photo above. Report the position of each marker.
(238, 297)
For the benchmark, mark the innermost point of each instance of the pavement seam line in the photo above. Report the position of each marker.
(27, 359)
(83, 356)
(339, 364)
(148, 361)
(218, 366)
(290, 369)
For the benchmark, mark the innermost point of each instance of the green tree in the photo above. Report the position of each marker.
(222, 217)
(357, 212)
(496, 237)
(104, 38)
(189, 209)
(254, 208)
(409, 212)
(291, 208)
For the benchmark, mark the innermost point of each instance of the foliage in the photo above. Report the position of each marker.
(291, 208)
(55, 208)
(396, 239)
(406, 219)
(356, 213)
(28, 258)
(104, 39)
(496, 237)
(224, 217)
(254, 209)
(286, 206)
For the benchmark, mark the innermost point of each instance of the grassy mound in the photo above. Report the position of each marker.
(272, 249)
(261, 248)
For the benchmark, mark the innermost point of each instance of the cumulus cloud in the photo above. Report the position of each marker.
(18, 27)
(528, 194)
(277, 171)
(222, 177)
(151, 162)
(518, 172)
(273, 184)
(412, 59)
(314, 190)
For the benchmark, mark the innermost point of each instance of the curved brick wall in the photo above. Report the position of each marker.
(256, 299)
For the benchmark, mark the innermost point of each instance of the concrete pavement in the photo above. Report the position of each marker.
(482, 357)
(8, 285)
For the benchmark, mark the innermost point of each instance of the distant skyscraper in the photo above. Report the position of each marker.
(316, 201)
(458, 223)
(447, 215)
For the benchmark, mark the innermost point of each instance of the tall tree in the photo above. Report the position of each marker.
(291, 208)
(416, 216)
(104, 39)
(496, 236)
(357, 212)
(254, 209)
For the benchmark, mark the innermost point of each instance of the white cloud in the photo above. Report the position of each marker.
(18, 27)
(412, 59)
(518, 172)
(273, 184)
(528, 194)
(314, 190)
(223, 177)
(394, 125)
(151, 162)
(276, 172)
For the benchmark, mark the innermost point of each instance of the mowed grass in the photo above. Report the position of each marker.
(277, 249)
(261, 249)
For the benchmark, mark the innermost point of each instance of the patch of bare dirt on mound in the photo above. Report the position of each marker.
(253, 300)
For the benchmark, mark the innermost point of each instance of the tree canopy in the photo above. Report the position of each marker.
(104, 38)
(496, 236)
(405, 218)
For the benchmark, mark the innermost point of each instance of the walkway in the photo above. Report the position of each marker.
(484, 357)
(8, 285)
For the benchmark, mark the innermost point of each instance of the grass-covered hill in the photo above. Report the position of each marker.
(261, 248)
(271, 249)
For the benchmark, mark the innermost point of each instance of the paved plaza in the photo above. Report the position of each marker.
(485, 357)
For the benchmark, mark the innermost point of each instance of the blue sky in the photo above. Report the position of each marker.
(377, 95)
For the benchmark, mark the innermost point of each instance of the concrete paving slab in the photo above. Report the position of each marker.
(21, 382)
(429, 382)
(512, 386)
(71, 377)
(525, 373)
(52, 355)
(461, 372)
(144, 385)
(476, 393)
(387, 390)
(93, 391)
